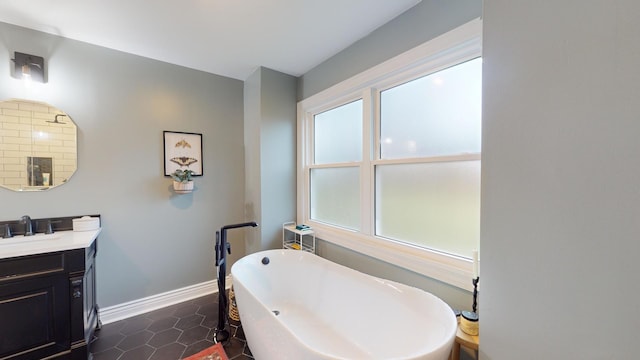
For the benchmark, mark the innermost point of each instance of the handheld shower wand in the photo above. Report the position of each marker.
(222, 249)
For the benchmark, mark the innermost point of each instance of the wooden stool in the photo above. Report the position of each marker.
(469, 341)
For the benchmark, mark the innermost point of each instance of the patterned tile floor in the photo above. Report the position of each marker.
(170, 333)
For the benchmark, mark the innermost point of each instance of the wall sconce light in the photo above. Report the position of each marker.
(28, 67)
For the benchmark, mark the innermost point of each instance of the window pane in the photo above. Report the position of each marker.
(338, 134)
(335, 196)
(434, 205)
(439, 114)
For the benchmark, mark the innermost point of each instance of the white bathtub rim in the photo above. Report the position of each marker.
(443, 346)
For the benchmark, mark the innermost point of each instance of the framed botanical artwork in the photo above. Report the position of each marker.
(182, 151)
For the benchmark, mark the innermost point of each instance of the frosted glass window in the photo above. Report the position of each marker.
(389, 161)
(335, 196)
(338, 134)
(439, 114)
(434, 205)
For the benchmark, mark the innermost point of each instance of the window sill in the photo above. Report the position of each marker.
(450, 269)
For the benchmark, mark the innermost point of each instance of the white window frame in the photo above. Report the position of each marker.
(459, 45)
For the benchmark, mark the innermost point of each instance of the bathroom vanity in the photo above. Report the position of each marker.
(47, 295)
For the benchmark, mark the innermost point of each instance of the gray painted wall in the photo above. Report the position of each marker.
(153, 241)
(270, 138)
(423, 22)
(560, 193)
(417, 25)
(253, 174)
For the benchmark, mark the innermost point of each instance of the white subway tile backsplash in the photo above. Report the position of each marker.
(25, 131)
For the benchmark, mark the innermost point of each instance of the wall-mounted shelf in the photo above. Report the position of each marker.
(296, 239)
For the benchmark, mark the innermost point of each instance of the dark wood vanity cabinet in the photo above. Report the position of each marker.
(48, 305)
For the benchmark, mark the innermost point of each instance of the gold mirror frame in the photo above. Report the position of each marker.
(38, 145)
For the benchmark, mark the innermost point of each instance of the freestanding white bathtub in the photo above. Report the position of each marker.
(300, 306)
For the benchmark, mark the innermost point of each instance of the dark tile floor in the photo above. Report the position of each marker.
(170, 333)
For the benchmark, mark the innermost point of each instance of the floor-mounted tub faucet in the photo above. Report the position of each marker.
(223, 248)
(28, 228)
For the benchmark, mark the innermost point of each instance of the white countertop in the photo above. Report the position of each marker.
(40, 243)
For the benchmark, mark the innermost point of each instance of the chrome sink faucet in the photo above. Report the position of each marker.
(28, 228)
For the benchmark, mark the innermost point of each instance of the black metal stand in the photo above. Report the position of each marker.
(475, 293)
(221, 334)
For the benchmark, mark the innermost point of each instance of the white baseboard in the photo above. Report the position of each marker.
(136, 307)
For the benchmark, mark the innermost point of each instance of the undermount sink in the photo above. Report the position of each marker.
(17, 239)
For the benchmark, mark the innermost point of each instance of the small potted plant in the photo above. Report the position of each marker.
(182, 183)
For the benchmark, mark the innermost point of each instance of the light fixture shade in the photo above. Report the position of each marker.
(29, 67)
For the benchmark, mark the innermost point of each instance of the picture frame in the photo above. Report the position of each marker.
(182, 150)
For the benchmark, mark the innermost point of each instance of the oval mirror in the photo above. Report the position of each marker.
(38, 145)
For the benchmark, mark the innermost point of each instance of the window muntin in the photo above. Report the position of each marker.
(334, 188)
(426, 196)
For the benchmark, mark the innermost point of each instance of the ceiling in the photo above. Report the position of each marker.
(225, 37)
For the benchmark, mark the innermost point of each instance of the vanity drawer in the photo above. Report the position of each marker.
(32, 265)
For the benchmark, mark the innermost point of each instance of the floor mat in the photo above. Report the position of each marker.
(215, 352)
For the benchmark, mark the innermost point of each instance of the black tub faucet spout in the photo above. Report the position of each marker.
(234, 226)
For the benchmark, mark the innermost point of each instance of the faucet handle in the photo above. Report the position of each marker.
(48, 228)
(7, 231)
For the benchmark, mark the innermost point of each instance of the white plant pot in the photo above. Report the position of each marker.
(182, 188)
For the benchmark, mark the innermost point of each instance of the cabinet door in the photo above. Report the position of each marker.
(35, 317)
